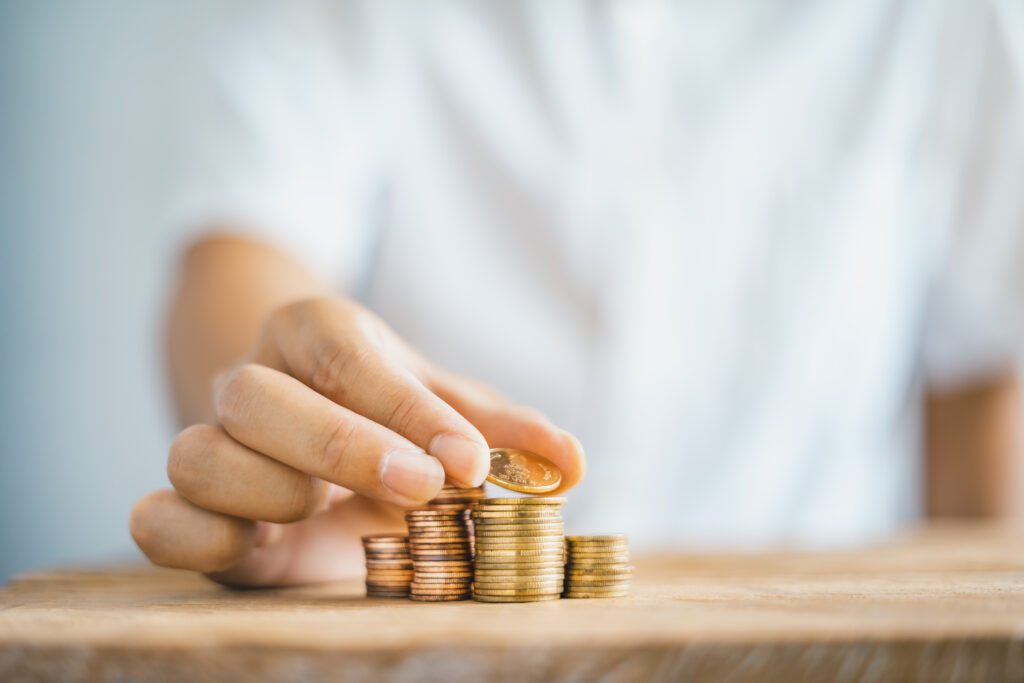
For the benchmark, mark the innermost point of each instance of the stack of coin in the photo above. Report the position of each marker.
(597, 567)
(454, 497)
(388, 565)
(520, 551)
(441, 556)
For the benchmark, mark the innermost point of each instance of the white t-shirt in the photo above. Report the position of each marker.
(724, 243)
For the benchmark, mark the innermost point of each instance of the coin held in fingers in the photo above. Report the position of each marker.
(523, 471)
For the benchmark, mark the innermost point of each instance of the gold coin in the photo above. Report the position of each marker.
(517, 589)
(541, 586)
(513, 573)
(439, 598)
(593, 588)
(505, 507)
(591, 594)
(519, 541)
(454, 590)
(597, 539)
(533, 500)
(515, 594)
(440, 586)
(382, 538)
(601, 587)
(486, 535)
(518, 513)
(554, 529)
(601, 570)
(520, 598)
(519, 530)
(523, 471)
(505, 550)
(513, 562)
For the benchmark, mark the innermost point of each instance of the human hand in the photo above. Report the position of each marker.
(331, 402)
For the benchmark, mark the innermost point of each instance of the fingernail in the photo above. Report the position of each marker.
(466, 461)
(412, 474)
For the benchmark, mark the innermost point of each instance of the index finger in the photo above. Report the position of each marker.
(277, 415)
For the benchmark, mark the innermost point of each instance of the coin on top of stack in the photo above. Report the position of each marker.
(597, 566)
(520, 550)
(388, 565)
(441, 556)
(452, 497)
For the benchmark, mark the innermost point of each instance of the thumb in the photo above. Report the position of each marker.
(506, 425)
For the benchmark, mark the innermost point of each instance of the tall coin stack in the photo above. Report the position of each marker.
(597, 567)
(441, 556)
(388, 565)
(520, 552)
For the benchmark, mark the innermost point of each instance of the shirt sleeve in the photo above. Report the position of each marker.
(975, 320)
(276, 133)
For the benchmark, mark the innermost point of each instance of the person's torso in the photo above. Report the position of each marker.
(694, 234)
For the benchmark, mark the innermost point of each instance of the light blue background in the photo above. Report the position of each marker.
(84, 266)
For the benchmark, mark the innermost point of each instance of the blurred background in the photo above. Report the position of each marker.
(84, 266)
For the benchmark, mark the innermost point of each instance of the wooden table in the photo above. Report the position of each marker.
(946, 603)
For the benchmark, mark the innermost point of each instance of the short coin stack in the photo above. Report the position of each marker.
(441, 556)
(597, 567)
(388, 565)
(520, 550)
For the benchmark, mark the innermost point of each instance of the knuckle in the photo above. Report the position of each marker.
(234, 394)
(404, 407)
(303, 499)
(337, 363)
(189, 448)
(143, 524)
(333, 454)
(229, 542)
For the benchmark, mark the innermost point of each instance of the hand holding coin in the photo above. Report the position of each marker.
(331, 403)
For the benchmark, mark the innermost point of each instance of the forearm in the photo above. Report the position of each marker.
(227, 287)
(975, 451)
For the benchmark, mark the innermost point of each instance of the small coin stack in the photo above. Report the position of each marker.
(597, 567)
(441, 556)
(388, 565)
(520, 550)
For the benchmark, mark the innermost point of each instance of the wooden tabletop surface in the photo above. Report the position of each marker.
(944, 603)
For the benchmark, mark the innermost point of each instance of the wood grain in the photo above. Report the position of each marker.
(945, 603)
